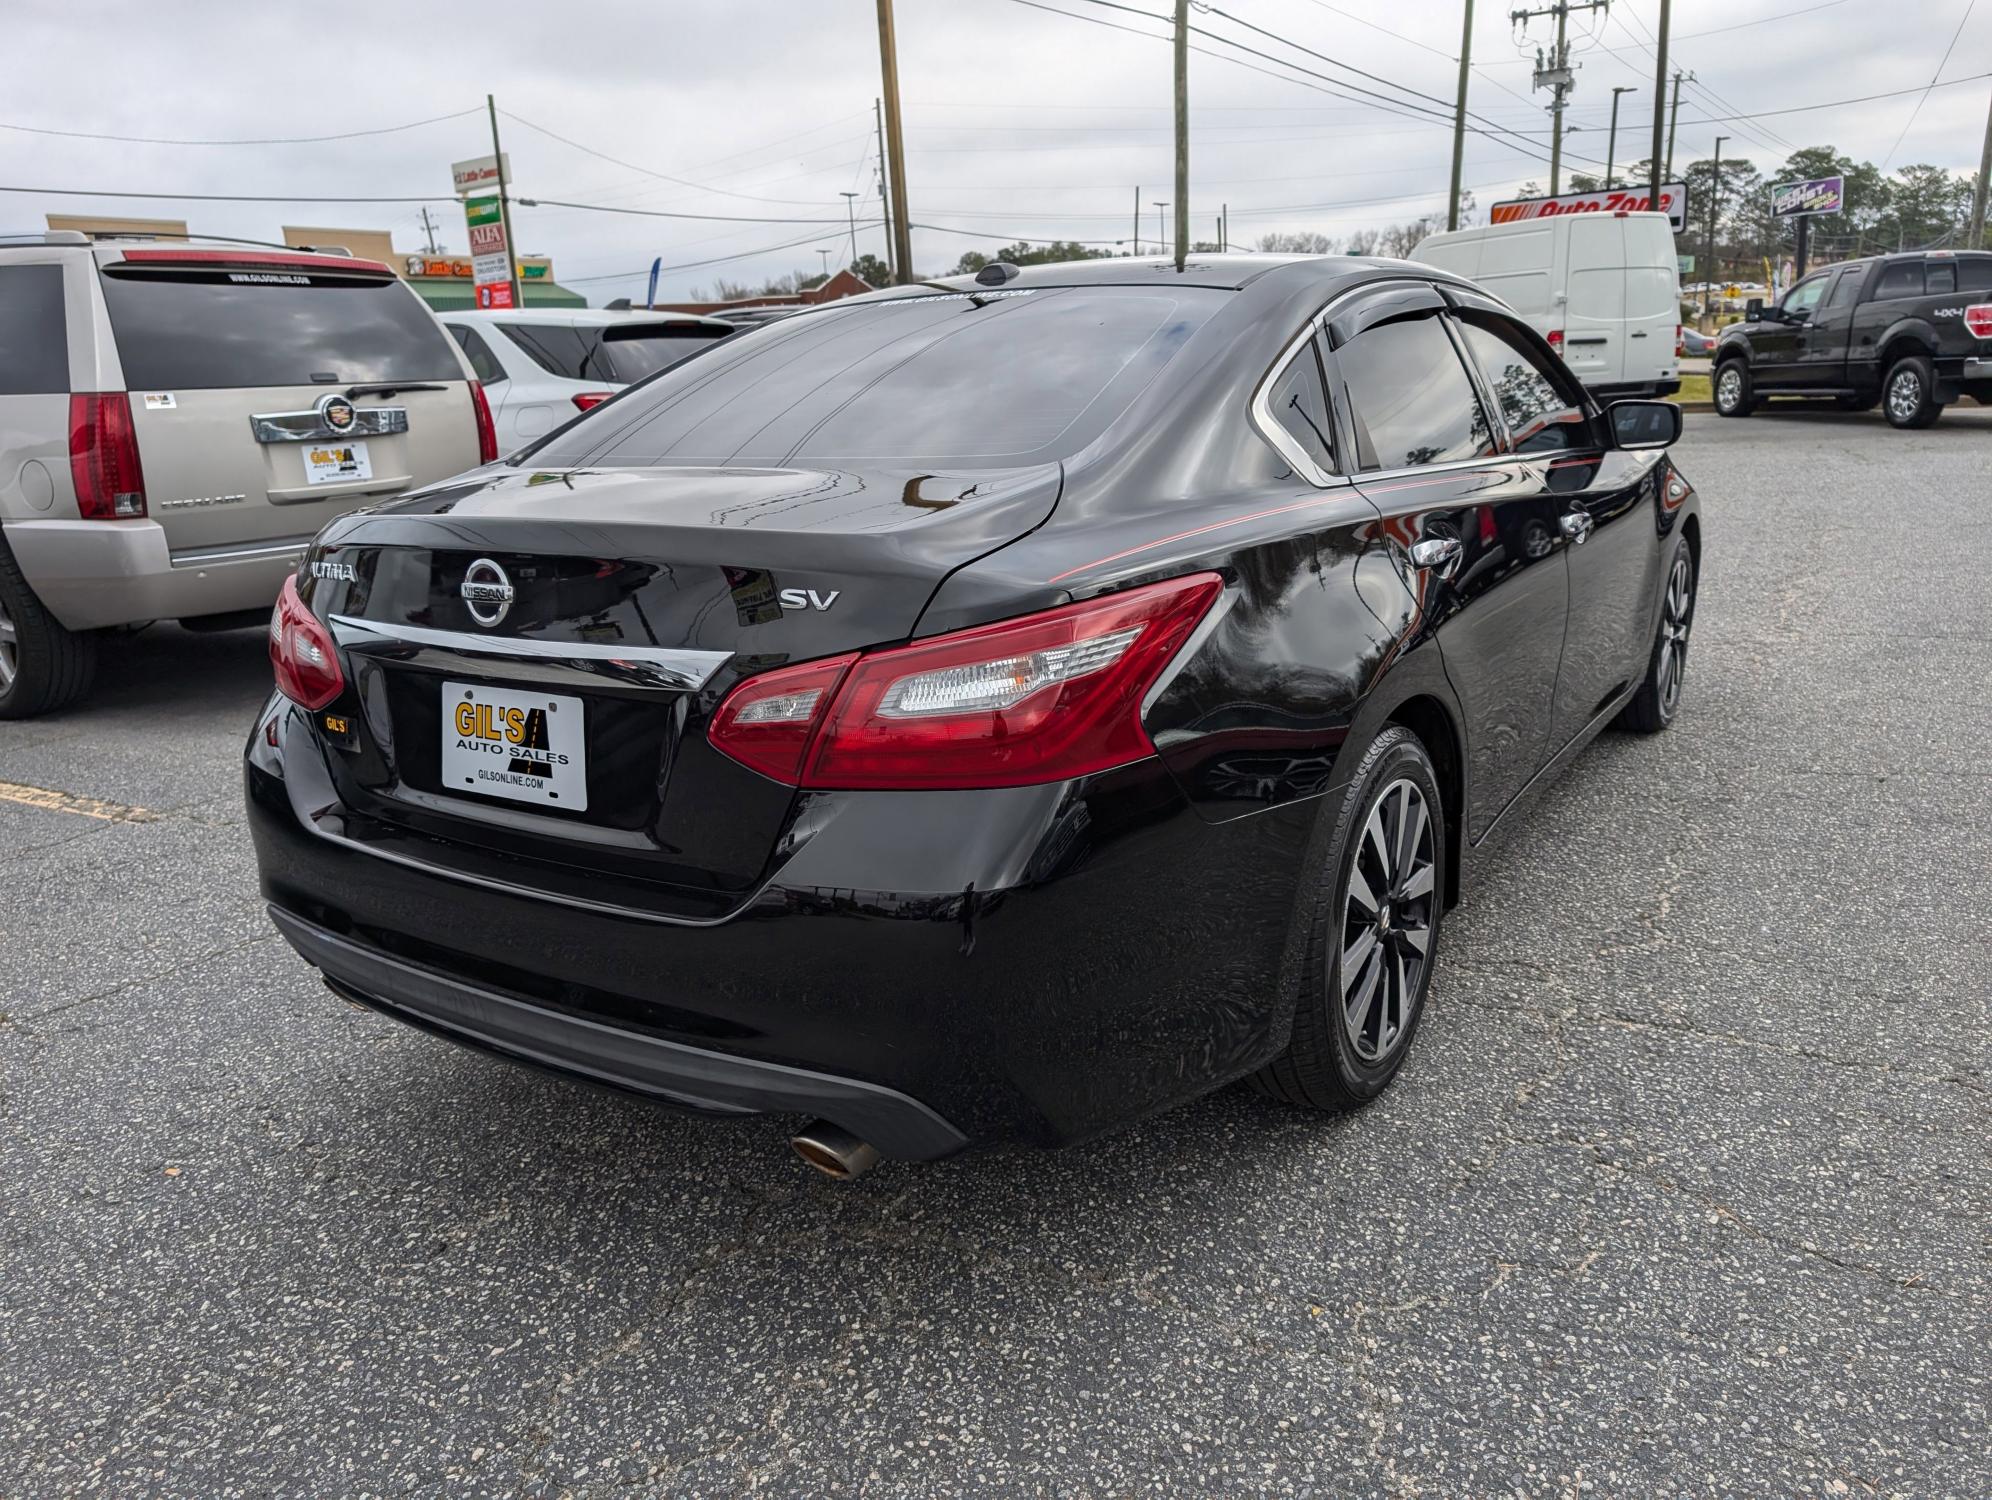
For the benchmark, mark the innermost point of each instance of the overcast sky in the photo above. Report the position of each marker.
(1019, 122)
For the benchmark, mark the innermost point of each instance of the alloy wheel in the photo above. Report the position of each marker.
(1676, 616)
(1387, 920)
(1729, 387)
(10, 649)
(1905, 395)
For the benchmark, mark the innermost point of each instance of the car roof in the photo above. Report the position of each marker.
(569, 317)
(1225, 271)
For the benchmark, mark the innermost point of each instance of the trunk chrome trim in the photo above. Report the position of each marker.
(310, 426)
(676, 668)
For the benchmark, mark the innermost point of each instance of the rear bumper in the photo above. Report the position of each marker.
(692, 1078)
(1037, 964)
(95, 573)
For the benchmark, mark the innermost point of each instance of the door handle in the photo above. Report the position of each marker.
(1436, 552)
(1641, 334)
(1576, 525)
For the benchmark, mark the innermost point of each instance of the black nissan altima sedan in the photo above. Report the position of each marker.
(989, 710)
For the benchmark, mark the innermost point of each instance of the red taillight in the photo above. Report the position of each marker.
(1680, 339)
(487, 435)
(588, 400)
(1555, 337)
(303, 652)
(1979, 319)
(767, 722)
(1041, 698)
(103, 457)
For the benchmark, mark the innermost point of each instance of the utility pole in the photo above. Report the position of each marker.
(1161, 224)
(429, 233)
(1611, 148)
(505, 208)
(1674, 114)
(1182, 132)
(1659, 88)
(1554, 74)
(1714, 197)
(851, 213)
(1978, 192)
(884, 196)
(1224, 227)
(1459, 115)
(1137, 220)
(895, 145)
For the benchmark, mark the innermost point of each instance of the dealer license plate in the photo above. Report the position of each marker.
(330, 463)
(529, 747)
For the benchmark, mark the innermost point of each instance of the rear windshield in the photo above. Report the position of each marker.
(616, 355)
(960, 380)
(214, 330)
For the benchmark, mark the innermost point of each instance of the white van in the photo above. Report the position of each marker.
(1603, 288)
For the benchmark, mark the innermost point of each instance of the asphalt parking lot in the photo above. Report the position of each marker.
(1685, 1191)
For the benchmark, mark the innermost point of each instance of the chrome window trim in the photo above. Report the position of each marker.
(676, 668)
(1261, 411)
(309, 426)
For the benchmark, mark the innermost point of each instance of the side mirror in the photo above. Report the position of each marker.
(1645, 424)
(1753, 310)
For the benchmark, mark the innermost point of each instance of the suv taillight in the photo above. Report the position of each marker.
(487, 434)
(589, 400)
(1044, 697)
(103, 457)
(1680, 339)
(1555, 337)
(303, 652)
(1978, 319)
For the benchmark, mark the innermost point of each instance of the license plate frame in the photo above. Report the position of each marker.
(513, 744)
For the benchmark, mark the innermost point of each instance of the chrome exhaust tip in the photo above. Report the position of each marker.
(834, 1151)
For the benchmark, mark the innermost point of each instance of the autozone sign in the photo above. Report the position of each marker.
(1673, 203)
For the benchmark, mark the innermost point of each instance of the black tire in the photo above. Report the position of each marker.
(1330, 1064)
(1909, 393)
(1653, 707)
(42, 666)
(1733, 399)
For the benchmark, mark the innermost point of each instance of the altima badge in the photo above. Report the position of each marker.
(487, 591)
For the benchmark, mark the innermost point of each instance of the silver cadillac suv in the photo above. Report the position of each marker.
(178, 420)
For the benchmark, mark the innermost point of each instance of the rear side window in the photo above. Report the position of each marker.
(556, 350)
(34, 335)
(1540, 418)
(1410, 396)
(1299, 404)
(483, 363)
(1940, 276)
(1974, 274)
(215, 330)
(961, 380)
(1903, 280)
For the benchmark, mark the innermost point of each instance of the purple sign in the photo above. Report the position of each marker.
(1821, 195)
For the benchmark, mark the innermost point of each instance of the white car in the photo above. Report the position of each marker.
(542, 365)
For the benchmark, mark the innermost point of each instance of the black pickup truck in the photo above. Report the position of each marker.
(1910, 332)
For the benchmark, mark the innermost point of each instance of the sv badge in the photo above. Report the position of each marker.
(808, 598)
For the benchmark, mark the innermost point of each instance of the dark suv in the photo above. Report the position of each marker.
(1910, 332)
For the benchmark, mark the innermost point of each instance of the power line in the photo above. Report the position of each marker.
(636, 167)
(217, 197)
(693, 265)
(660, 213)
(279, 140)
(1970, 5)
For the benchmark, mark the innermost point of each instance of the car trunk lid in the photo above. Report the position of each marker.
(629, 600)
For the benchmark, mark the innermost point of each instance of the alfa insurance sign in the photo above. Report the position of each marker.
(490, 257)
